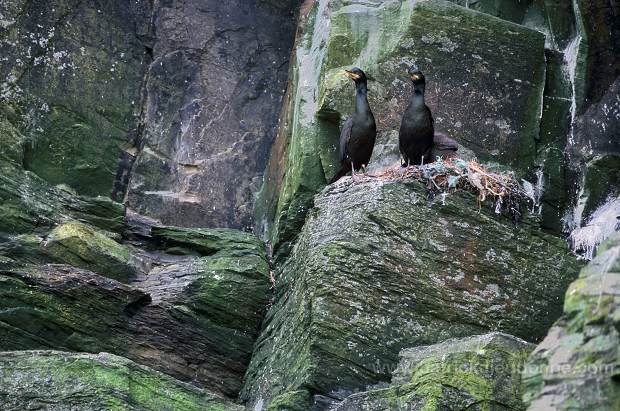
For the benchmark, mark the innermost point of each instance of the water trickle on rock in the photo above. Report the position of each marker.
(600, 226)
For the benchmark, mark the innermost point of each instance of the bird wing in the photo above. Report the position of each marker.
(345, 136)
(430, 115)
(443, 142)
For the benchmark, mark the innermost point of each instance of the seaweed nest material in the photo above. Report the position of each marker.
(451, 175)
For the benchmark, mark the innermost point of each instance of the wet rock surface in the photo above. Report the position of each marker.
(212, 97)
(469, 59)
(61, 380)
(71, 82)
(481, 372)
(378, 268)
(195, 318)
(577, 365)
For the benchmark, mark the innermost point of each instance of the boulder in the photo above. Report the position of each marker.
(485, 80)
(82, 246)
(207, 241)
(481, 373)
(577, 366)
(194, 318)
(379, 267)
(62, 381)
(28, 204)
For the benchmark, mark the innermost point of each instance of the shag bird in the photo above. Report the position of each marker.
(357, 138)
(417, 126)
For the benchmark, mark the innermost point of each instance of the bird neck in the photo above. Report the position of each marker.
(417, 97)
(361, 98)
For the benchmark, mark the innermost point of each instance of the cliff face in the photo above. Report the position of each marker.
(186, 94)
(212, 96)
(140, 141)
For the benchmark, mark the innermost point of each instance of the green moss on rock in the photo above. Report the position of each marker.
(61, 380)
(76, 152)
(576, 367)
(299, 400)
(379, 267)
(208, 241)
(504, 82)
(73, 83)
(11, 140)
(84, 247)
(29, 204)
(481, 372)
(195, 318)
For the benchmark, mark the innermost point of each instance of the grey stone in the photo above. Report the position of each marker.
(213, 95)
(379, 267)
(577, 365)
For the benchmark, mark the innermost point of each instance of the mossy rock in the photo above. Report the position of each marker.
(379, 267)
(85, 247)
(577, 366)
(299, 400)
(29, 204)
(58, 380)
(193, 317)
(88, 166)
(502, 82)
(207, 241)
(23, 249)
(73, 83)
(479, 373)
(11, 140)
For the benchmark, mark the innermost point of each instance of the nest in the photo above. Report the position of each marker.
(451, 175)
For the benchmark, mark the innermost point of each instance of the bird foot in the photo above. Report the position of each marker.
(403, 170)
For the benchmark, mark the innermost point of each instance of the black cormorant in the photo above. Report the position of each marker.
(416, 129)
(357, 138)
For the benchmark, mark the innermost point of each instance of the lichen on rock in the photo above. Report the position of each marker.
(578, 364)
(480, 372)
(378, 267)
(84, 247)
(385, 39)
(62, 381)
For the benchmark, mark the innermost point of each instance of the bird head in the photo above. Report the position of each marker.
(356, 74)
(416, 76)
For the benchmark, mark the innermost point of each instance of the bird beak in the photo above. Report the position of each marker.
(350, 74)
(415, 77)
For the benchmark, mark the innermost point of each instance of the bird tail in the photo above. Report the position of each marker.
(341, 173)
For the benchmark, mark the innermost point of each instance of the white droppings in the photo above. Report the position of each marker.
(601, 225)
